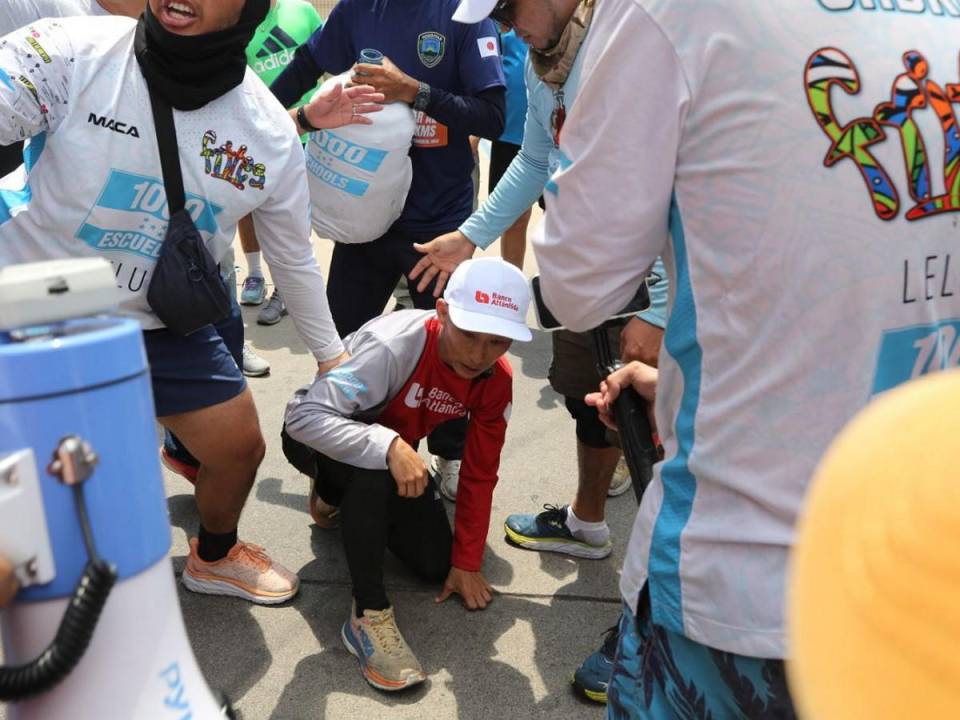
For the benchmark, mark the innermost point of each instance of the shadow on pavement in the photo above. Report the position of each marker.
(534, 356)
(479, 664)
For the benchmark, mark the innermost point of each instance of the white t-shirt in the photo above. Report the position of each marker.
(95, 183)
(17, 13)
(760, 146)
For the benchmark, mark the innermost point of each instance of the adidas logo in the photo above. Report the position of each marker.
(276, 53)
(278, 41)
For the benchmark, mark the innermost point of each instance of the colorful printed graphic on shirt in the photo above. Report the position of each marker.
(130, 219)
(435, 400)
(430, 48)
(909, 353)
(334, 160)
(348, 383)
(233, 165)
(38, 48)
(429, 132)
(910, 91)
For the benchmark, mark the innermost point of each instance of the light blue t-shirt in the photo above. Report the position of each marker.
(513, 51)
(527, 176)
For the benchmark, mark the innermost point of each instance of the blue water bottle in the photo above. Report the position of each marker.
(370, 56)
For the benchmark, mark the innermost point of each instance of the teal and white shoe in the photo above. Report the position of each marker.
(548, 532)
(253, 291)
(593, 676)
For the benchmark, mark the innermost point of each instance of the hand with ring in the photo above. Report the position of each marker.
(337, 106)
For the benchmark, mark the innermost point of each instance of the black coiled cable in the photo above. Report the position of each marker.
(76, 628)
(73, 636)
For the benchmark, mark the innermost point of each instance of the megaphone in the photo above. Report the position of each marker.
(95, 630)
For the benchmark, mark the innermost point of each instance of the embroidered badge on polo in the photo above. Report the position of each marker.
(430, 48)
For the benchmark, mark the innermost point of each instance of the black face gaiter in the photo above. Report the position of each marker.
(190, 71)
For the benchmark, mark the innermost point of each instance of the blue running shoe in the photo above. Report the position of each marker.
(253, 291)
(548, 531)
(593, 675)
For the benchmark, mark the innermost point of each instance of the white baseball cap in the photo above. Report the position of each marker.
(470, 12)
(491, 296)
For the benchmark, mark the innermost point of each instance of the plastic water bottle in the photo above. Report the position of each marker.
(370, 56)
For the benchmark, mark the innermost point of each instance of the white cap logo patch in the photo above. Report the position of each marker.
(491, 296)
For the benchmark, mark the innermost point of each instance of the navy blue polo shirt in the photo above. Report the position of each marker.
(421, 39)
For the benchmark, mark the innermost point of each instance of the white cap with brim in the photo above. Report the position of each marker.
(491, 296)
(471, 12)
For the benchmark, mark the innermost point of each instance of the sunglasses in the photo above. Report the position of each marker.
(504, 13)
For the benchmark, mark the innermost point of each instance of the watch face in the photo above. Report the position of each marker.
(422, 98)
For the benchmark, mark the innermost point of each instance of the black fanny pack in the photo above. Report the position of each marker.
(186, 291)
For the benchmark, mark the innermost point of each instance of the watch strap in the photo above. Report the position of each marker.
(303, 122)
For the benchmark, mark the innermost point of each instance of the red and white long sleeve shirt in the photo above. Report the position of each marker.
(396, 384)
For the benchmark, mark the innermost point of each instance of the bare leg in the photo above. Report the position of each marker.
(248, 236)
(228, 459)
(595, 468)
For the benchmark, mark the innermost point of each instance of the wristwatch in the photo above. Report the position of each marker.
(303, 122)
(422, 98)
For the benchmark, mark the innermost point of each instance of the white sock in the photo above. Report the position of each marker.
(254, 269)
(594, 533)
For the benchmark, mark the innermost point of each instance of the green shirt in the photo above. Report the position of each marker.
(287, 26)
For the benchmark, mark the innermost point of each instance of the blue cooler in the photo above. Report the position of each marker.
(88, 378)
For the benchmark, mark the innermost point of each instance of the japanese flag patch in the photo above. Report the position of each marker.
(488, 46)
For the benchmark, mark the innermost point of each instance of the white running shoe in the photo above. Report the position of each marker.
(446, 474)
(253, 364)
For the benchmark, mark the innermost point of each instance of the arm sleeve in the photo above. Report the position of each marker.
(609, 204)
(478, 477)
(299, 76)
(656, 314)
(480, 66)
(322, 417)
(482, 115)
(517, 190)
(282, 225)
(35, 72)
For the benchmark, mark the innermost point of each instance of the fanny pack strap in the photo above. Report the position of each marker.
(169, 152)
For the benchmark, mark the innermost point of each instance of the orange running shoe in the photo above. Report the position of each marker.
(246, 572)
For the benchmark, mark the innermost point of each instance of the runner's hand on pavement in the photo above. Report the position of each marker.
(407, 468)
(441, 257)
(639, 340)
(472, 587)
(388, 79)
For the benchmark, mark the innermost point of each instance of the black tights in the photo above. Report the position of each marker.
(374, 518)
